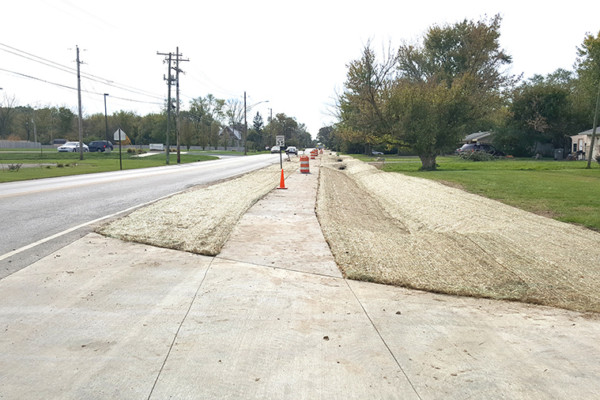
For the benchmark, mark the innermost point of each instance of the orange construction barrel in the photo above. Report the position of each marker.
(304, 165)
(312, 154)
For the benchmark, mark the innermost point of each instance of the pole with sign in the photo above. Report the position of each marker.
(280, 141)
(120, 135)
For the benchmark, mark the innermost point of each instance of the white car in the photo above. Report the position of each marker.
(72, 147)
(291, 150)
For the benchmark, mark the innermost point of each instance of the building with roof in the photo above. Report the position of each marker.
(230, 137)
(479, 137)
(582, 142)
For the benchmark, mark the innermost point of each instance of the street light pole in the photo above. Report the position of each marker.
(246, 121)
(105, 117)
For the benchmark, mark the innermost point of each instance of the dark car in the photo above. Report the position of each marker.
(100, 145)
(488, 148)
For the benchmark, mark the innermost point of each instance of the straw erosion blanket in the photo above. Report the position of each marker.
(417, 233)
(199, 220)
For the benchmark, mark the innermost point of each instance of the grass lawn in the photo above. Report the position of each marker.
(52, 164)
(563, 190)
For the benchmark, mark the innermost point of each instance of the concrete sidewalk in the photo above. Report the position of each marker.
(271, 317)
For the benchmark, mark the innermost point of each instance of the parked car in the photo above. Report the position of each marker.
(376, 153)
(72, 147)
(100, 145)
(488, 148)
(291, 150)
(275, 149)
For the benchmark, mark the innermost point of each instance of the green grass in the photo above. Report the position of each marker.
(563, 190)
(63, 164)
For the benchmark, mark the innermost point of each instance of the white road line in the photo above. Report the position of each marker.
(49, 238)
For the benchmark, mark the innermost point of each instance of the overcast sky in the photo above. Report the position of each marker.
(291, 53)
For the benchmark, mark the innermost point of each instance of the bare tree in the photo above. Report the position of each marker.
(7, 114)
(235, 112)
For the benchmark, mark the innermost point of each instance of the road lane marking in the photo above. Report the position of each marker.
(67, 231)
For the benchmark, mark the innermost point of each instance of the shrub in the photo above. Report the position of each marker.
(14, 167)
(476, 156)
(598, 158)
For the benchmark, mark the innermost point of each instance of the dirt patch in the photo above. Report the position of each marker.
(199, 220)
(394, 229)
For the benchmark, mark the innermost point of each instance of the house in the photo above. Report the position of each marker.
(479, 137)
(230, 137)
(487, 137)
(583, 140)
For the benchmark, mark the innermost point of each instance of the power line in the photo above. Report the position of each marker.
(64, 68)
(74, 88)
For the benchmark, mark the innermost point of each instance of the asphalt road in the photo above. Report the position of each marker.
(43, 215)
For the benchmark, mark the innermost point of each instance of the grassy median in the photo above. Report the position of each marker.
(25, 165)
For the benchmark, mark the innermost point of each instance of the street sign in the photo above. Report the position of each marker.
(119, 135)
(280, 140)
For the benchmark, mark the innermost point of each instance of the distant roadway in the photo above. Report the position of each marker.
(41, 216)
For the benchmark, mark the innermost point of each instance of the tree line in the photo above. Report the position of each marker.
(424, 98)
(199, 126)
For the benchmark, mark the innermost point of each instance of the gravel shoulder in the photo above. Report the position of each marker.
(394, 229)
(199, 220)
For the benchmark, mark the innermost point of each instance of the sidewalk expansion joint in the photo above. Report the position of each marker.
(179, 328)
(383, 340)
(279, 268)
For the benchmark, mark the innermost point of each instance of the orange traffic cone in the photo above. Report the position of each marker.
(282, 182)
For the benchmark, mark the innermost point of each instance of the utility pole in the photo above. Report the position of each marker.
(177, 122)
(245, 125)
(105, 118)
(169, 80)
(35, 134)
(589, 161)
(79, 102)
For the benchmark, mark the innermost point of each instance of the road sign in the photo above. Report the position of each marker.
(280, 140)
(119, 135)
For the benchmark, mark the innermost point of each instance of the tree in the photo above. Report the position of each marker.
(65, 121)
(203, 113)
(44, 118)
(588, 69)
(258, 123)
(7, 113)
(129, 122)
(431, 116)
(362, 105)
(427, 96)
(235, 113)
(325, 136)
(255, 135)
(152, 128)
(450, 85)
(541, 110)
